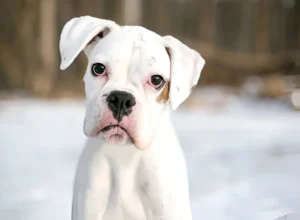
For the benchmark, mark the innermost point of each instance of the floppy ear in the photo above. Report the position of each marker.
(80, 32)
(186, 66)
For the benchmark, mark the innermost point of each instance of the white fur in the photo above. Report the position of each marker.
(143, 177)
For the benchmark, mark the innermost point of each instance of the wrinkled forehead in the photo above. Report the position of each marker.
(133, 50)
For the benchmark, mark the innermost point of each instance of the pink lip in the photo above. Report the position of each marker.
(115, 134)
(109, 127)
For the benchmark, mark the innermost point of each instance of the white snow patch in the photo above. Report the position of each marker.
(243, 160)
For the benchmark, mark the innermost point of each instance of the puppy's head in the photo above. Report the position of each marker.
(132, 75)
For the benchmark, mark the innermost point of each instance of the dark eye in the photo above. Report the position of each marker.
(157, 81)
(98, 69)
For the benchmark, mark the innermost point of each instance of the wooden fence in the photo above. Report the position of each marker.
(237, 37)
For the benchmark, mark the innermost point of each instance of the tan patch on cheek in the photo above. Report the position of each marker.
(164, 95)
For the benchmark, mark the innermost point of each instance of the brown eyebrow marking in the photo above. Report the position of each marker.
(164, 95)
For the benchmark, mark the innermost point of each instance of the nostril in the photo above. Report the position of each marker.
(112, 106)
(129, 103)
(132, 102)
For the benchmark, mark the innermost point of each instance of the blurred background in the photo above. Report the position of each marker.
(240, 128)
(240, 40)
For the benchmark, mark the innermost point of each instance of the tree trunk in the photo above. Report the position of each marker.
(44, 83)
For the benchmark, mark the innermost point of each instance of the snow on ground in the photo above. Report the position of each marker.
(243, 159)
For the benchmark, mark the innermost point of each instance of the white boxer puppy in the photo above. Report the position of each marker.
(132, 167)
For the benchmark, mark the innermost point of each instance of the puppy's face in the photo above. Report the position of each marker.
(127, 87)
(132, 75)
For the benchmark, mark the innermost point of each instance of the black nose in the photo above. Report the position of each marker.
(120, 103)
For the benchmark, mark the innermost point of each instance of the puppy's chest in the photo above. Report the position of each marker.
(126, 193)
